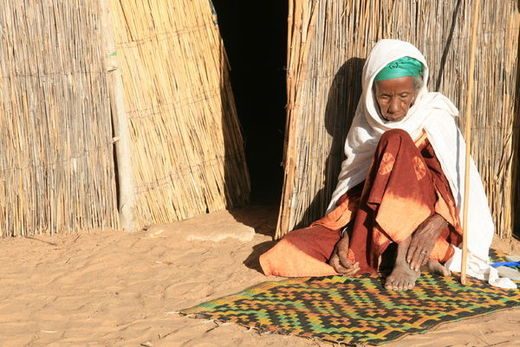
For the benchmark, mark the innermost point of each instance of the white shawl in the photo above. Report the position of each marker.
(434, 113)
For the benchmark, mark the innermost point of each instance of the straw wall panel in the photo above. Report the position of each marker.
(328, 42)
(187, 148)
(56, 159)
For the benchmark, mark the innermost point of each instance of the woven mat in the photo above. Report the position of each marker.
(355, 310)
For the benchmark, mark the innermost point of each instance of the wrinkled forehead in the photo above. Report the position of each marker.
(395, 85)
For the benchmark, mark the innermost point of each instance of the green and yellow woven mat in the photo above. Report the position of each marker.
(355, 310)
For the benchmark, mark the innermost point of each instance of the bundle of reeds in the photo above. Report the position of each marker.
(56, 158)
(187, 147)
(328, 41)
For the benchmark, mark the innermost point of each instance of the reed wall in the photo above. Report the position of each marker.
(187, 150)
(56, 158)
(328, 42)
(57, 138)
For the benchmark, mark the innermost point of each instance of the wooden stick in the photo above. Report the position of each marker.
(125, 175)
(467, 135)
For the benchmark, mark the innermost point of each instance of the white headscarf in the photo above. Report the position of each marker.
(434, 113)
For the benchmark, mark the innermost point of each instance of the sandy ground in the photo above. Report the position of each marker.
(105, 288)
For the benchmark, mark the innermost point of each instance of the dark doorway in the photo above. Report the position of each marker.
(255, 38)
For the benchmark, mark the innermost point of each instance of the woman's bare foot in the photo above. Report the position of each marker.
(434, 267)
(401, 278)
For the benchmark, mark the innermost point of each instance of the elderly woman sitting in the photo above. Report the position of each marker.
(401, 182)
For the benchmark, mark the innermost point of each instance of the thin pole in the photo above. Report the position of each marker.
(467, 135)
(125, 175)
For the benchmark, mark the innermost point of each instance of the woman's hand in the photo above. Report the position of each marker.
(423, 240)
(339, 259)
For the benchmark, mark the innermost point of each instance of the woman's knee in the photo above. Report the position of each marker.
(395, 133)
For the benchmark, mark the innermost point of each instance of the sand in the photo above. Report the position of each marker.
(106, 288)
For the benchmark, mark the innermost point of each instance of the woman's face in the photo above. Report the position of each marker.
(395, 97)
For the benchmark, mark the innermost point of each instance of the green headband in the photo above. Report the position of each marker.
(401, 67)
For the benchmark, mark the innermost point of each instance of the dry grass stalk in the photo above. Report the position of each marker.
(55, 132)
(329, 39)
(187, 146)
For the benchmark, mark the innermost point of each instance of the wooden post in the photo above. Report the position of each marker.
(467, 135)
(125, 176)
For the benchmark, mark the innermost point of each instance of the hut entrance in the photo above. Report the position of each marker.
(255, 38)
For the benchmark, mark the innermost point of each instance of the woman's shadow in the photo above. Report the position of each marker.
(342, 101)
